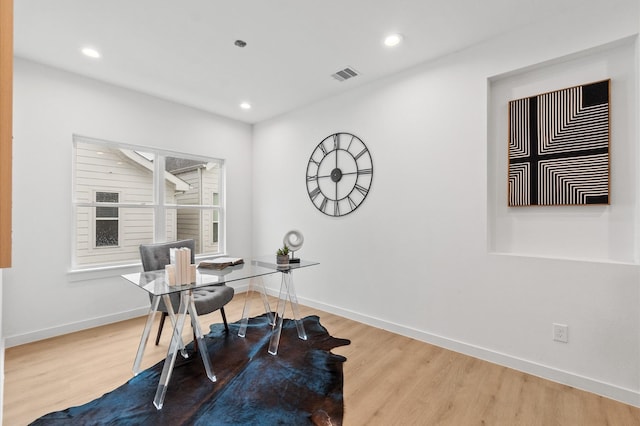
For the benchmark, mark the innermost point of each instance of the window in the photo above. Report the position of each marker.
(126, 195)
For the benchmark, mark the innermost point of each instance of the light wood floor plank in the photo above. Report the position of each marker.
(389, 379)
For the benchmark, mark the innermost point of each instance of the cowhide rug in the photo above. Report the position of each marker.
(301, 385)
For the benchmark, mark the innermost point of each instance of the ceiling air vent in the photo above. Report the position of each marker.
(345, 74)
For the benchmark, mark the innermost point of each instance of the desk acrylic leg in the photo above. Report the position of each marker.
(293, 299)
(145, 334)
(265, 303)
(247, 304)
(176, 342)
(242, 332)
(277, 329)
(172, 317)
(202, 345)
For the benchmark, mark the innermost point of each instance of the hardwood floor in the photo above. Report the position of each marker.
(389, 379)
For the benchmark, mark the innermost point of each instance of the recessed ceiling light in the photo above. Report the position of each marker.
(392, 40)
(245, 105)
(90, 52)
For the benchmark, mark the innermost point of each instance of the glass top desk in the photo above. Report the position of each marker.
(287, 292)
(155, 283)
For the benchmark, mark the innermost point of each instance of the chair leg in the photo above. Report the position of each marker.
(164, 316)
(224, 319)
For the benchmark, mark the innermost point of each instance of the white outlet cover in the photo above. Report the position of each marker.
(561, 333)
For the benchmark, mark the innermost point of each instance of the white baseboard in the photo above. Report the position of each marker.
(21, 339)
(627, 396)
(46, 333)
(243, 289)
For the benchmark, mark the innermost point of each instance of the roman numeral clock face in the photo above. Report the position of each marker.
(339, 174)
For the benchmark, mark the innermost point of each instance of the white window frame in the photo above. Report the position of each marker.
(159, 205)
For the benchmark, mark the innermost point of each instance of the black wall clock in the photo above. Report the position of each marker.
(339, 174)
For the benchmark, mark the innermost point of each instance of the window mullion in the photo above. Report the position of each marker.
(222, 203)
(159, 213)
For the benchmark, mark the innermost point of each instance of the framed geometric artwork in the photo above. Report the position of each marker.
(559, 147)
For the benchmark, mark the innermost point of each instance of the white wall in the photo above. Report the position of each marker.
(41, 298)
(414, 257)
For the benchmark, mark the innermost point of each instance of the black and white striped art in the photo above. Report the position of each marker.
(559, 147)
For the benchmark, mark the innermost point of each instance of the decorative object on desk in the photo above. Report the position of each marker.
(559, 147)
(339, 174)
(294, 240)
(303, 384)
(220, 262)
(282, 255)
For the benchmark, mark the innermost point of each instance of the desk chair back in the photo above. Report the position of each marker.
(156, 256)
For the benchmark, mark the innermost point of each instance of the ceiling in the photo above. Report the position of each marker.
(184, 50)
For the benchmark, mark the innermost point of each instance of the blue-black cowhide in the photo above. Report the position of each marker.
(301, 385)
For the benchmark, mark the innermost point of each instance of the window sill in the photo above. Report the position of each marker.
(99, 272)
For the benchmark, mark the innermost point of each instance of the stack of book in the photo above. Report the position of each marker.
(180, 271)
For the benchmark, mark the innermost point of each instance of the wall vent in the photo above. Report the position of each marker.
(345, 74)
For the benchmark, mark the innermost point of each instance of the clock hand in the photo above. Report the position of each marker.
(359, 172)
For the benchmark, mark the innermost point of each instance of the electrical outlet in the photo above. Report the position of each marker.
(561, 333)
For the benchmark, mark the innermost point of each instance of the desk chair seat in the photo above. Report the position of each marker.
(207, 299)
